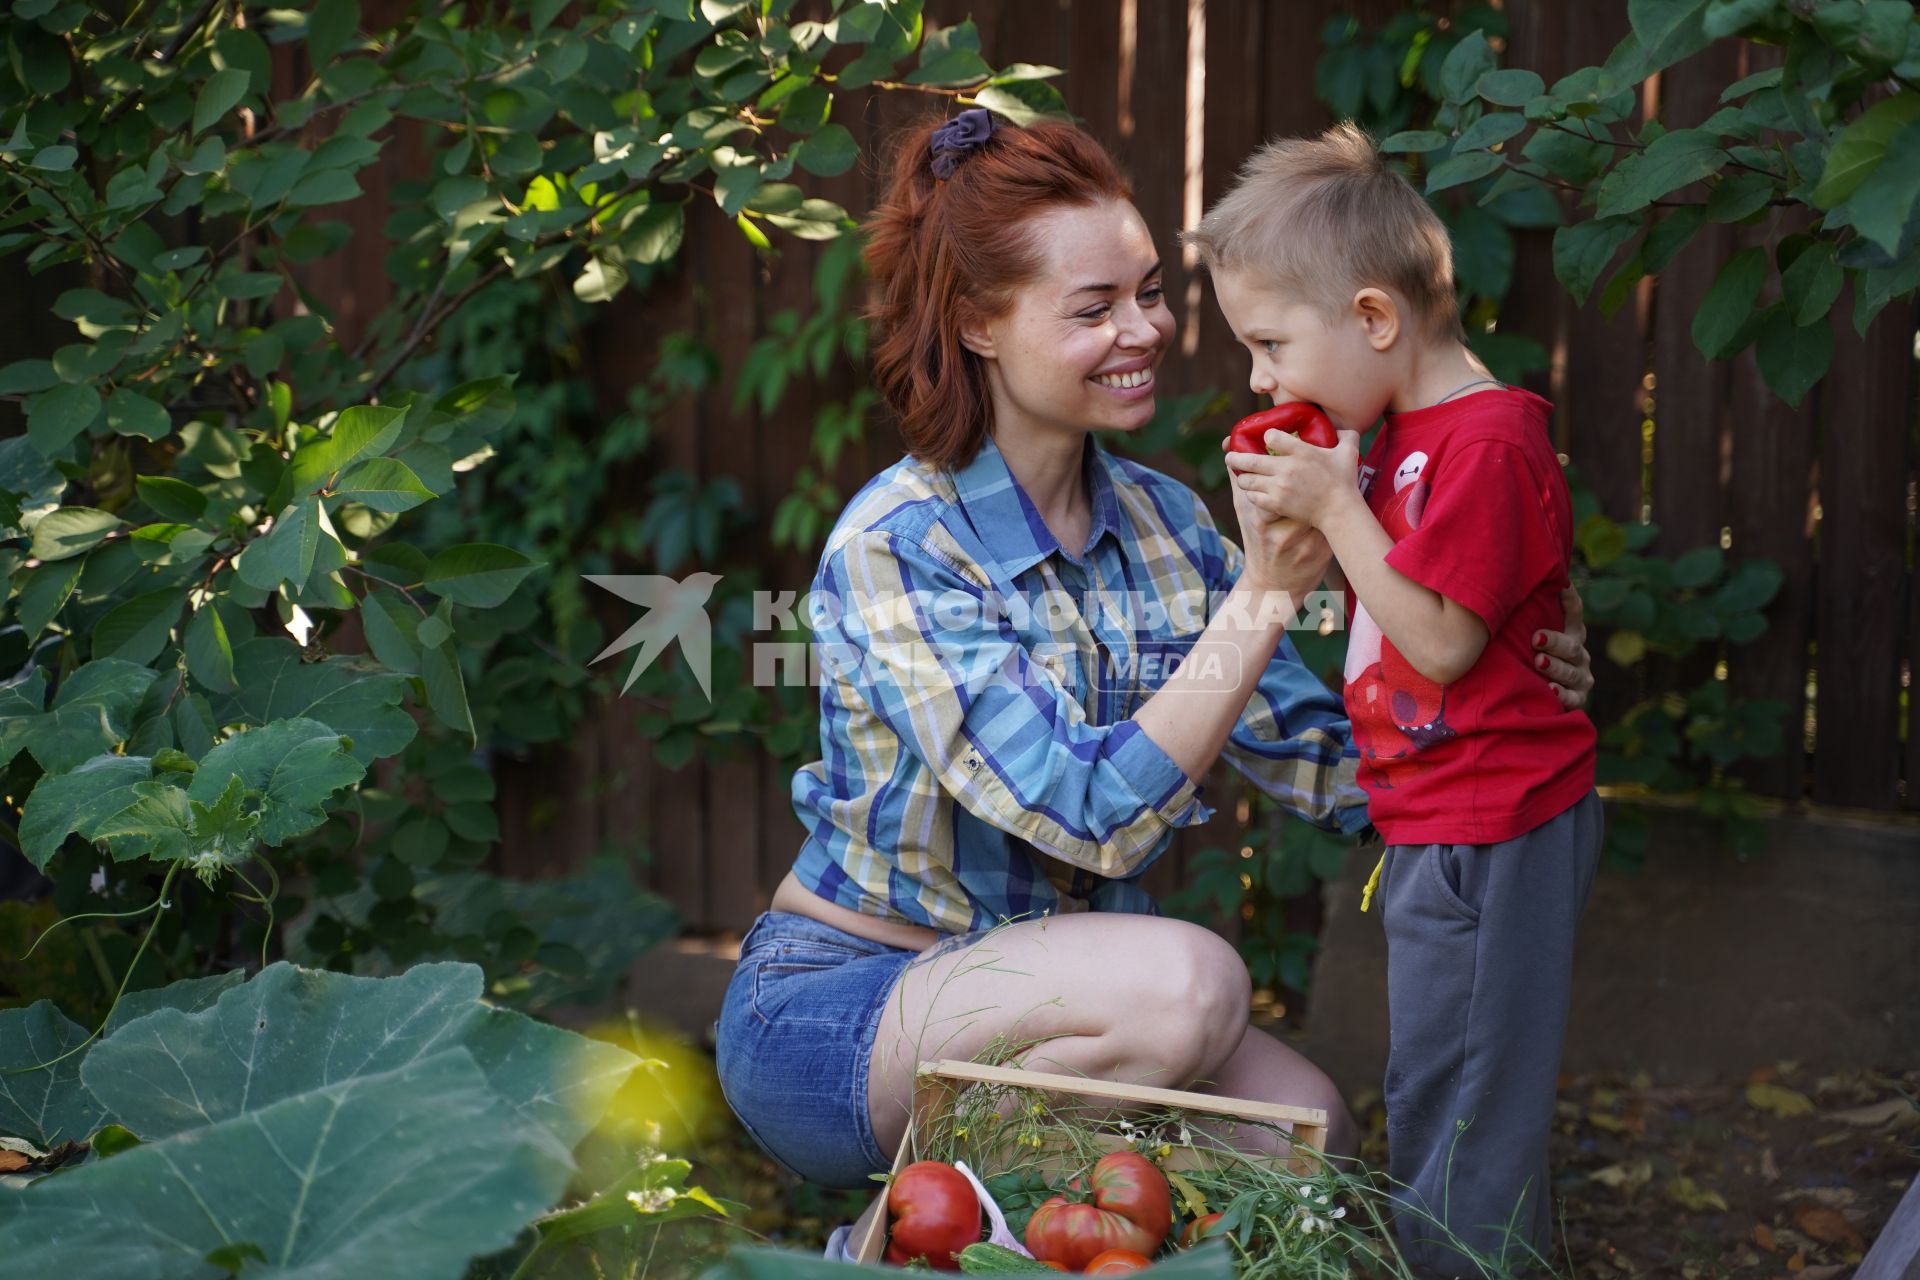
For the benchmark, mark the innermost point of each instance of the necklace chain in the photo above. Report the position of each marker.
(1463, 386)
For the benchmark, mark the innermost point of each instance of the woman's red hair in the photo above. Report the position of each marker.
(942, 253)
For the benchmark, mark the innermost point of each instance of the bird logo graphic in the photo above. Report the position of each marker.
(676, 609)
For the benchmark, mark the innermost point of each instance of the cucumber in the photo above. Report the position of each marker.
(997, 1260)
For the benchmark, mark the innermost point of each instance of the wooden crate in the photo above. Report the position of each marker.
(937, 1083)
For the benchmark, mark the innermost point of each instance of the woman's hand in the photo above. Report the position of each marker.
(1281, 554)
(1562, 655)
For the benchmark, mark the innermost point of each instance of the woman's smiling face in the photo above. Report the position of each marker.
(1080, 344)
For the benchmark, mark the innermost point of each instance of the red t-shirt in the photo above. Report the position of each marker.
(1472, 495)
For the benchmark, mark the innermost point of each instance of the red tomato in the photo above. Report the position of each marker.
(934, 1214)
(1199, 1229)
(1118, 1261)
(1131, 1209)
(1295, 417)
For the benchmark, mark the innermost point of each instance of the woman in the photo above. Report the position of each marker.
(1001, 738)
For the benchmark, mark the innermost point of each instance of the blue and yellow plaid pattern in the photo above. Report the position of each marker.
(979, 760)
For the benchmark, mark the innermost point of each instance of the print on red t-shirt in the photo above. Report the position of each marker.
(1471, 493)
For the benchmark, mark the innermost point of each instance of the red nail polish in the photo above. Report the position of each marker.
(1541, 662)
(1539, 638)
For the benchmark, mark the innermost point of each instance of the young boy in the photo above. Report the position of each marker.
(1338, 278)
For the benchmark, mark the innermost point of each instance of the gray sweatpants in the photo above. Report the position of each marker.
(1479, 966)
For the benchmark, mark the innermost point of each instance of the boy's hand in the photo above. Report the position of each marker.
(1298, 481)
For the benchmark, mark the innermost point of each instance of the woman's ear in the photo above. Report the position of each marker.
(975, 336)
(1379, 315)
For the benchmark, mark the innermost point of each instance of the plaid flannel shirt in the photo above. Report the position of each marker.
(979, 760)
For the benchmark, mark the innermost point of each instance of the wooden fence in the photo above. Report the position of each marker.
(1704, 450)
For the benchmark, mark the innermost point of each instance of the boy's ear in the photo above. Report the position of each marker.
(1379, 316)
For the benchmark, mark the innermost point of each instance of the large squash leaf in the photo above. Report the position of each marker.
(292, 1031)
(410, 1172)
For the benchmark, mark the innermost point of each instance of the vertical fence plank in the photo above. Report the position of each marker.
(1862, 565)
(1770, 511)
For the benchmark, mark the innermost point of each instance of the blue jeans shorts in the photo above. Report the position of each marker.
(795, 1038)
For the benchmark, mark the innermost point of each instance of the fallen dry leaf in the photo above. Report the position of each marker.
(1769, 1168)
(1832, 1197)
(1777, 1099)
(1763, 1236)
(1797, 1263)
(1688, 1194)
(1892, 1111)
(11, 1160)
(1637, 1174)
(1826, 1225)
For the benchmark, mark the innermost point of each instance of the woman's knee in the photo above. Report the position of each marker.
(1194, 1001)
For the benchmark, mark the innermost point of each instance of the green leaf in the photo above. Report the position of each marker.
(1729, 303)
(55, 417)
(362, 431)
(601, 280)
(1670, 235)
(68, 531)
(1811, 283)
(47, 1106)
(1460, 169)
(1513, 87)
(655, 235)
(1490, 130)
(392, 626)
(1415, 140)
(1671, 161)
(1023, 102)
(1730, 17)
(92, 713)
(209, 652)
(1883, 204)
(328, 186)
(479, 575)
(1861, 146)
(77, 801)
(171, 499)
(1469, 60)
(131, 414)
(1876, 33)
(1875, 288)
(385, 484)
(440, 672)
(219, 95)
(56, 159)
(44, 592)
(287, 552)
(27, 376)
(420, 841)
(137, 629)
(829, 152)
(1752, 585)
(1696, 568)
(1739, 194)
(292, 1032)
(329, 27)
(409, 1173)
(351, 696)
(294, 765)
(1792, 358)
(1582, 251)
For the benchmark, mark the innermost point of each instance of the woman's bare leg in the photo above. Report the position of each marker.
(1142, 999)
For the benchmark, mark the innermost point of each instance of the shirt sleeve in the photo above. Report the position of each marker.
(1294, 740)
(1487, 536)
(917, 641)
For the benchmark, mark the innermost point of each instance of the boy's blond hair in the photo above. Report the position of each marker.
(1324, 218)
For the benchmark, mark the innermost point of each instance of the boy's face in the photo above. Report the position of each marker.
(1301, 354)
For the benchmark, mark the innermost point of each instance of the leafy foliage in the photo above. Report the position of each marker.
(269, 619)
(1832, 133)
(321, 1123)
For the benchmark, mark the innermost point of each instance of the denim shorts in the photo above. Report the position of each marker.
(794, 1041)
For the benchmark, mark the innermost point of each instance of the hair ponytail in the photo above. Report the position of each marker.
(941, 253)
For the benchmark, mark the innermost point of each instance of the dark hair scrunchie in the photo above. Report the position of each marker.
(953, 141)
